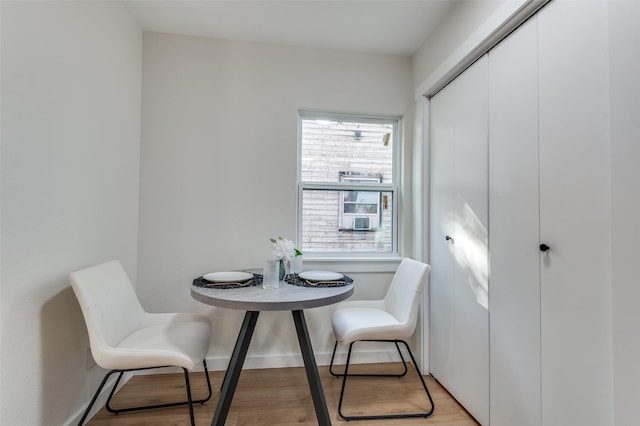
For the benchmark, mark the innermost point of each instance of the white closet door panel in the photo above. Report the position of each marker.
(514, 298)
(575, 214)
(625, 152)
(458, 294)
(471, 320)
(441, 281)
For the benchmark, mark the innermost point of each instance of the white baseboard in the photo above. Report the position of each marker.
(295, 360)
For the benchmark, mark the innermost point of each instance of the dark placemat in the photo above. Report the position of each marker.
(201, 282)
(294, 279)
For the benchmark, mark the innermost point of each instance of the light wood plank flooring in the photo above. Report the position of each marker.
(281, 397)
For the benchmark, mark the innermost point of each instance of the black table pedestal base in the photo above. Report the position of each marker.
(232, 375)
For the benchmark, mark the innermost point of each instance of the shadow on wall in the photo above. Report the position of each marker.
(63, 358)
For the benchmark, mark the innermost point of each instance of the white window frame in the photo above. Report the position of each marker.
(386, 259)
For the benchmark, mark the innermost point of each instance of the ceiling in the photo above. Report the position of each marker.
(397, 27)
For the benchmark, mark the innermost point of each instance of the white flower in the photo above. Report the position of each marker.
(283, 249)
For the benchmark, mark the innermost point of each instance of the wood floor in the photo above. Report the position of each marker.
(281, 397)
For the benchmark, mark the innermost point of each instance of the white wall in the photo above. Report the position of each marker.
(218, 167)
(466, 17)
(625, 151)
(71, 84)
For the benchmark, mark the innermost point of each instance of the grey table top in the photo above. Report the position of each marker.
(287, 297)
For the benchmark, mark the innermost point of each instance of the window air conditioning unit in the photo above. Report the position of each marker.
(361, 224)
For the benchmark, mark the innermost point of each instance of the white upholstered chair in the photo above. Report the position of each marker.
(123, 337)
(392, 319)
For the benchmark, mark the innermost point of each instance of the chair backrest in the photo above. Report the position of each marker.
(109, 304)
(403, 297)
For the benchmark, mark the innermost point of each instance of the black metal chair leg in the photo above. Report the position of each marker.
(206, 375)
(333, 355)
(188, 386)
(112, 410)
(113, 391)
(149, 407)
(424, 384)
(344, 382)
(385, 416)
(404, 363)
(95, 396)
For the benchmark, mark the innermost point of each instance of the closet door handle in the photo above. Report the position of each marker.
(448, 238)
(544, 247)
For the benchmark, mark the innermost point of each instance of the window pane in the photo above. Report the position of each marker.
(346, 221)
(331, 149)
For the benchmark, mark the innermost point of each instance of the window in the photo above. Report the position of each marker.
(347, 182)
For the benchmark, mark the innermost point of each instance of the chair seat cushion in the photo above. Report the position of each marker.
(175, 343)
(351, 324)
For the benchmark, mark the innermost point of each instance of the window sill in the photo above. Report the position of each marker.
(352, 264)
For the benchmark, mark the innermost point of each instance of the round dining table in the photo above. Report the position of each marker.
(255, 299)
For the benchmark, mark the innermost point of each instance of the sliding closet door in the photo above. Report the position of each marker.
(459, 352)
(441, 205)
(471, 321)
(514, 236)
(575, 217)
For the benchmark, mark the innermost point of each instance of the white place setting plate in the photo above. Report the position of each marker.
(226, 277)
(320, 275)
